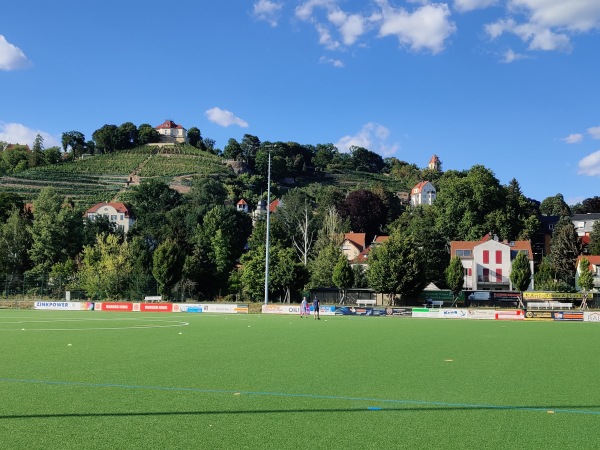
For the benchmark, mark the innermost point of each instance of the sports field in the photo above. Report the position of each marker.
(75, 380)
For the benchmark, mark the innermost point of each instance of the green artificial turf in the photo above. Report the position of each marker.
(142, 380)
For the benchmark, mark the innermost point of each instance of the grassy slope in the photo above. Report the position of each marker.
(322, 377)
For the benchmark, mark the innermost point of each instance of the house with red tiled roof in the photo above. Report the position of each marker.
(116, 213)
(434, 163)
(242, 206)
(423, 193)
(594, 268)
(354, 244)
(171, 132)
(273, 206)
(488, 262)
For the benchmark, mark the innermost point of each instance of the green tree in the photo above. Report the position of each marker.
(287, 276)
(147, 134)
(105, 268)
(594, 245)
(343, 276)
(455, 276)
(321, 267)
(167, 267)
(365, 160)
(564, 249)
(73, 141)
(232, 150)
(396, 268)
(586, 280)
(555, 206)
(253, 273)
(15, 239)
(194, 137)
(107, 139)
(127, 136)
(520, 274)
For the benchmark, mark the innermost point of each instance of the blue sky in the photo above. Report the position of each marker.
(510, 84)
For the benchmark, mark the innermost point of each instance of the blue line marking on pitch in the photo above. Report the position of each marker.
(313, 396)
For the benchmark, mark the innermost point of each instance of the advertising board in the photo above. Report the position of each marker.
(116, 306)
(589, 316)
(454, 313)
(64, 306)
(539, 315)
(510, 315)
(280, 309)
(156, 307)
(570, 316)
(482, 314)
(431, 313)
(398, 311)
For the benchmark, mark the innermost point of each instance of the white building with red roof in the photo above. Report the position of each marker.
(242, 206)
(171, 132)
(116, 213)
(488, 262)
(434, 163)
(423, 193)
(594, 268)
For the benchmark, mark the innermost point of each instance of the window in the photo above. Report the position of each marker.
(486, 256)
(121, 217)
(113, 218)
(498, 256)
(486, 275)
(463, 252)
(498, 275)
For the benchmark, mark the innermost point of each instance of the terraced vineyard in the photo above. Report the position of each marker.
(102, 177)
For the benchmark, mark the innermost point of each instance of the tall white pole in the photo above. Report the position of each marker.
(268, 232)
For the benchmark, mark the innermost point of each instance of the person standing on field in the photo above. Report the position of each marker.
(316, 307)
(304, 308)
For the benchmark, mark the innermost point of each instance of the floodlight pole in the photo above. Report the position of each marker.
(268, 231)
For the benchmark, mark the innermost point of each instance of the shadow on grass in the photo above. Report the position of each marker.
(372, 410)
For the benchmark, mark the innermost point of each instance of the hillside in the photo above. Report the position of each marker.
(103, 178)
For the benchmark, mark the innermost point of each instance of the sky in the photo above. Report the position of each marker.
(513, 85)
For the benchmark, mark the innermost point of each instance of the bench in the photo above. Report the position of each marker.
(153, 298)
(366, 302)
(434, 303)
(549, 305)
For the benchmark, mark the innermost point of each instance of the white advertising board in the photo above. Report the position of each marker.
(591, 316)
(63, 306)
(454, 313)
(482, 314)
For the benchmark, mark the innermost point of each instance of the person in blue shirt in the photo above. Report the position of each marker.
(316, 307)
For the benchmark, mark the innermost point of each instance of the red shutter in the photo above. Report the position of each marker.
(486, 256)
(486, 275)
(498, 256)
(469, 271)
(499, 275)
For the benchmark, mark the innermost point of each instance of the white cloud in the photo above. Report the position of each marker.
(547, 24)
(574, 15)
(16, 133)
(373, 137)
(538, 37)
(333, 62)
(268, 11)
(510, 56)
(349, 26)
(427, 28)
(11, 57)
(573, 138)
(594, 132)
(590, 165)
(471, 5)
(224, 118)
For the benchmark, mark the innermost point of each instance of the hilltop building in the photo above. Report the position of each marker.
(171, 133)
(116, 213)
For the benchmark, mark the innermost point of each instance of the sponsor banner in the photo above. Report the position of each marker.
(482, 314)
(432, 313)
(64, 306)
(453, 313)
(398, 312)
(539, 315)
(572, 316)
(224, 308)
(589, 316)
(534, 295)
(510, 315)
(186, 307)
(355, 311)
(115, 306)
(156, 307)
(327, 310)
(281, 309)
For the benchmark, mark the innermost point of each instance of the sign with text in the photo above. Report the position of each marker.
(64, 306)
(431, 313)
(539, 315)
(571, 316)
(398, 311)
(482, 314)
(455, 313)
(115, 306)
(589, 316)
(156, 307)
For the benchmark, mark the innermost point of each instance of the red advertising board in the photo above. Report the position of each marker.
(156, 307)
(510, 315)
(115, 306)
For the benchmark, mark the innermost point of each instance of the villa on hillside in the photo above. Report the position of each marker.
(172, 133)
(116, 213)
(423, 193)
